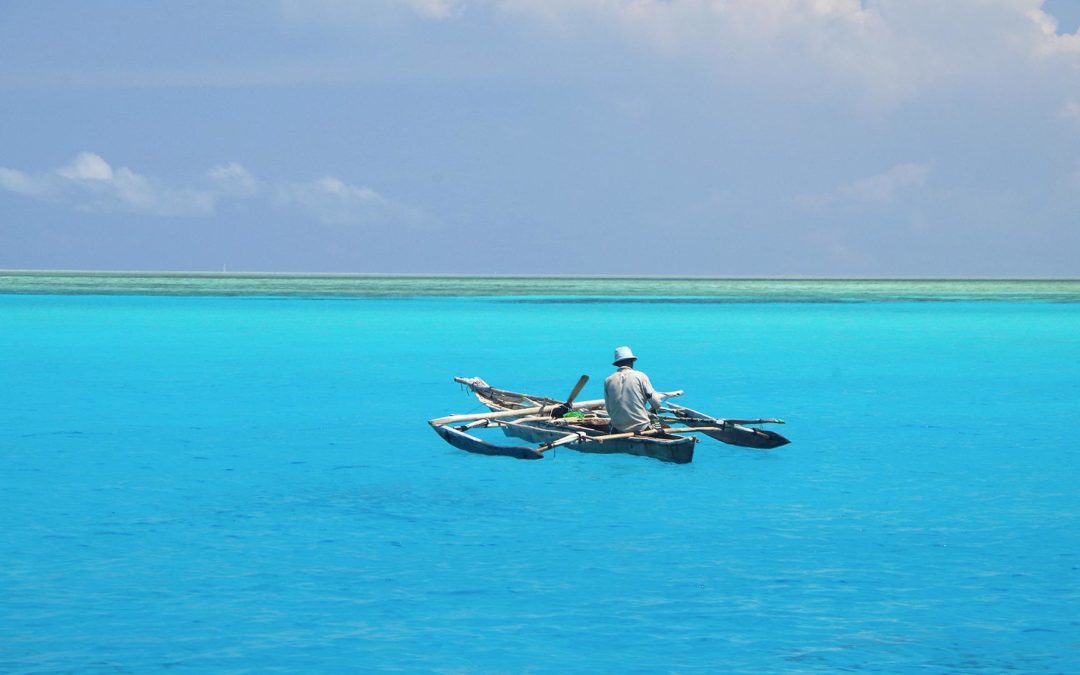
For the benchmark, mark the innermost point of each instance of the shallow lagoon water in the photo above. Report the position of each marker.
(247, 483)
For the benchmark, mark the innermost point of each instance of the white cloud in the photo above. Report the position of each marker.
(234, 180)
(333, 202)
(877, 52)
(89, 183)
(785, 44)
(436, 9)
(1052, 42)
(880, 51)
(87, 166)
(881, 188)
(23, 184)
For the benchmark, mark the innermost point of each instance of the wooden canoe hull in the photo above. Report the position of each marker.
(538, 431)
(530, 424)
(675, 449)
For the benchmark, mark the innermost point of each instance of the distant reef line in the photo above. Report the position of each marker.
(540, 289)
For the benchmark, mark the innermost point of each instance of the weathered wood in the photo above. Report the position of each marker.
(565, 440)
(516, 412)
(577, 390)
(769, 420)
(549, 433)
(463, 441)
(473, 425)
(648, 432)
(529, 418)
(718, 420)
(730, 432)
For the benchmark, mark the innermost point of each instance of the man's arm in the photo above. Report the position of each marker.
(649, 394)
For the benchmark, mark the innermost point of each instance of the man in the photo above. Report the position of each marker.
(626, 391)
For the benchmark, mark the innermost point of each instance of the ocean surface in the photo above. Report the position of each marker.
(205, 473)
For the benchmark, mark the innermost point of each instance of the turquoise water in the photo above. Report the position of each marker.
(212, 483)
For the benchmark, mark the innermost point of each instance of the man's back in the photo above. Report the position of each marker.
(626, 391)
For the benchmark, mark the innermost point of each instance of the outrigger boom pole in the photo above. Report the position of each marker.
(517, 412)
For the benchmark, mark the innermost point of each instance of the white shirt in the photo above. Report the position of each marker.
(626, 391)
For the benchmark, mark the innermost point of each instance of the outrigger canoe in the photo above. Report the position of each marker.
(547, 423)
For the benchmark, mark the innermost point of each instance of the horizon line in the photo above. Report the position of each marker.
(501, 275)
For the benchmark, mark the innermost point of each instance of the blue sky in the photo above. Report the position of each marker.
(699, 137)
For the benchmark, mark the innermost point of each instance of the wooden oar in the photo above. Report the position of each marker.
(577, 390)
(560, 410)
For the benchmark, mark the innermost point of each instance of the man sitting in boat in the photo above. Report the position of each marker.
(627, 391)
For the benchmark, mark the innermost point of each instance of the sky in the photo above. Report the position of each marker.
(836, 138)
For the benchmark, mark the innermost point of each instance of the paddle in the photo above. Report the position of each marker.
(577, 390)
(566, 407)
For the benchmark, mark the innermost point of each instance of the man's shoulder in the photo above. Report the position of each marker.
(643, 379)
(623, 373)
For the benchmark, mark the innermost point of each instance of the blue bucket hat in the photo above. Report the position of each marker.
(623, 354)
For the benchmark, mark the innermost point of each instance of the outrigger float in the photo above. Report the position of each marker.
(548, 423)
